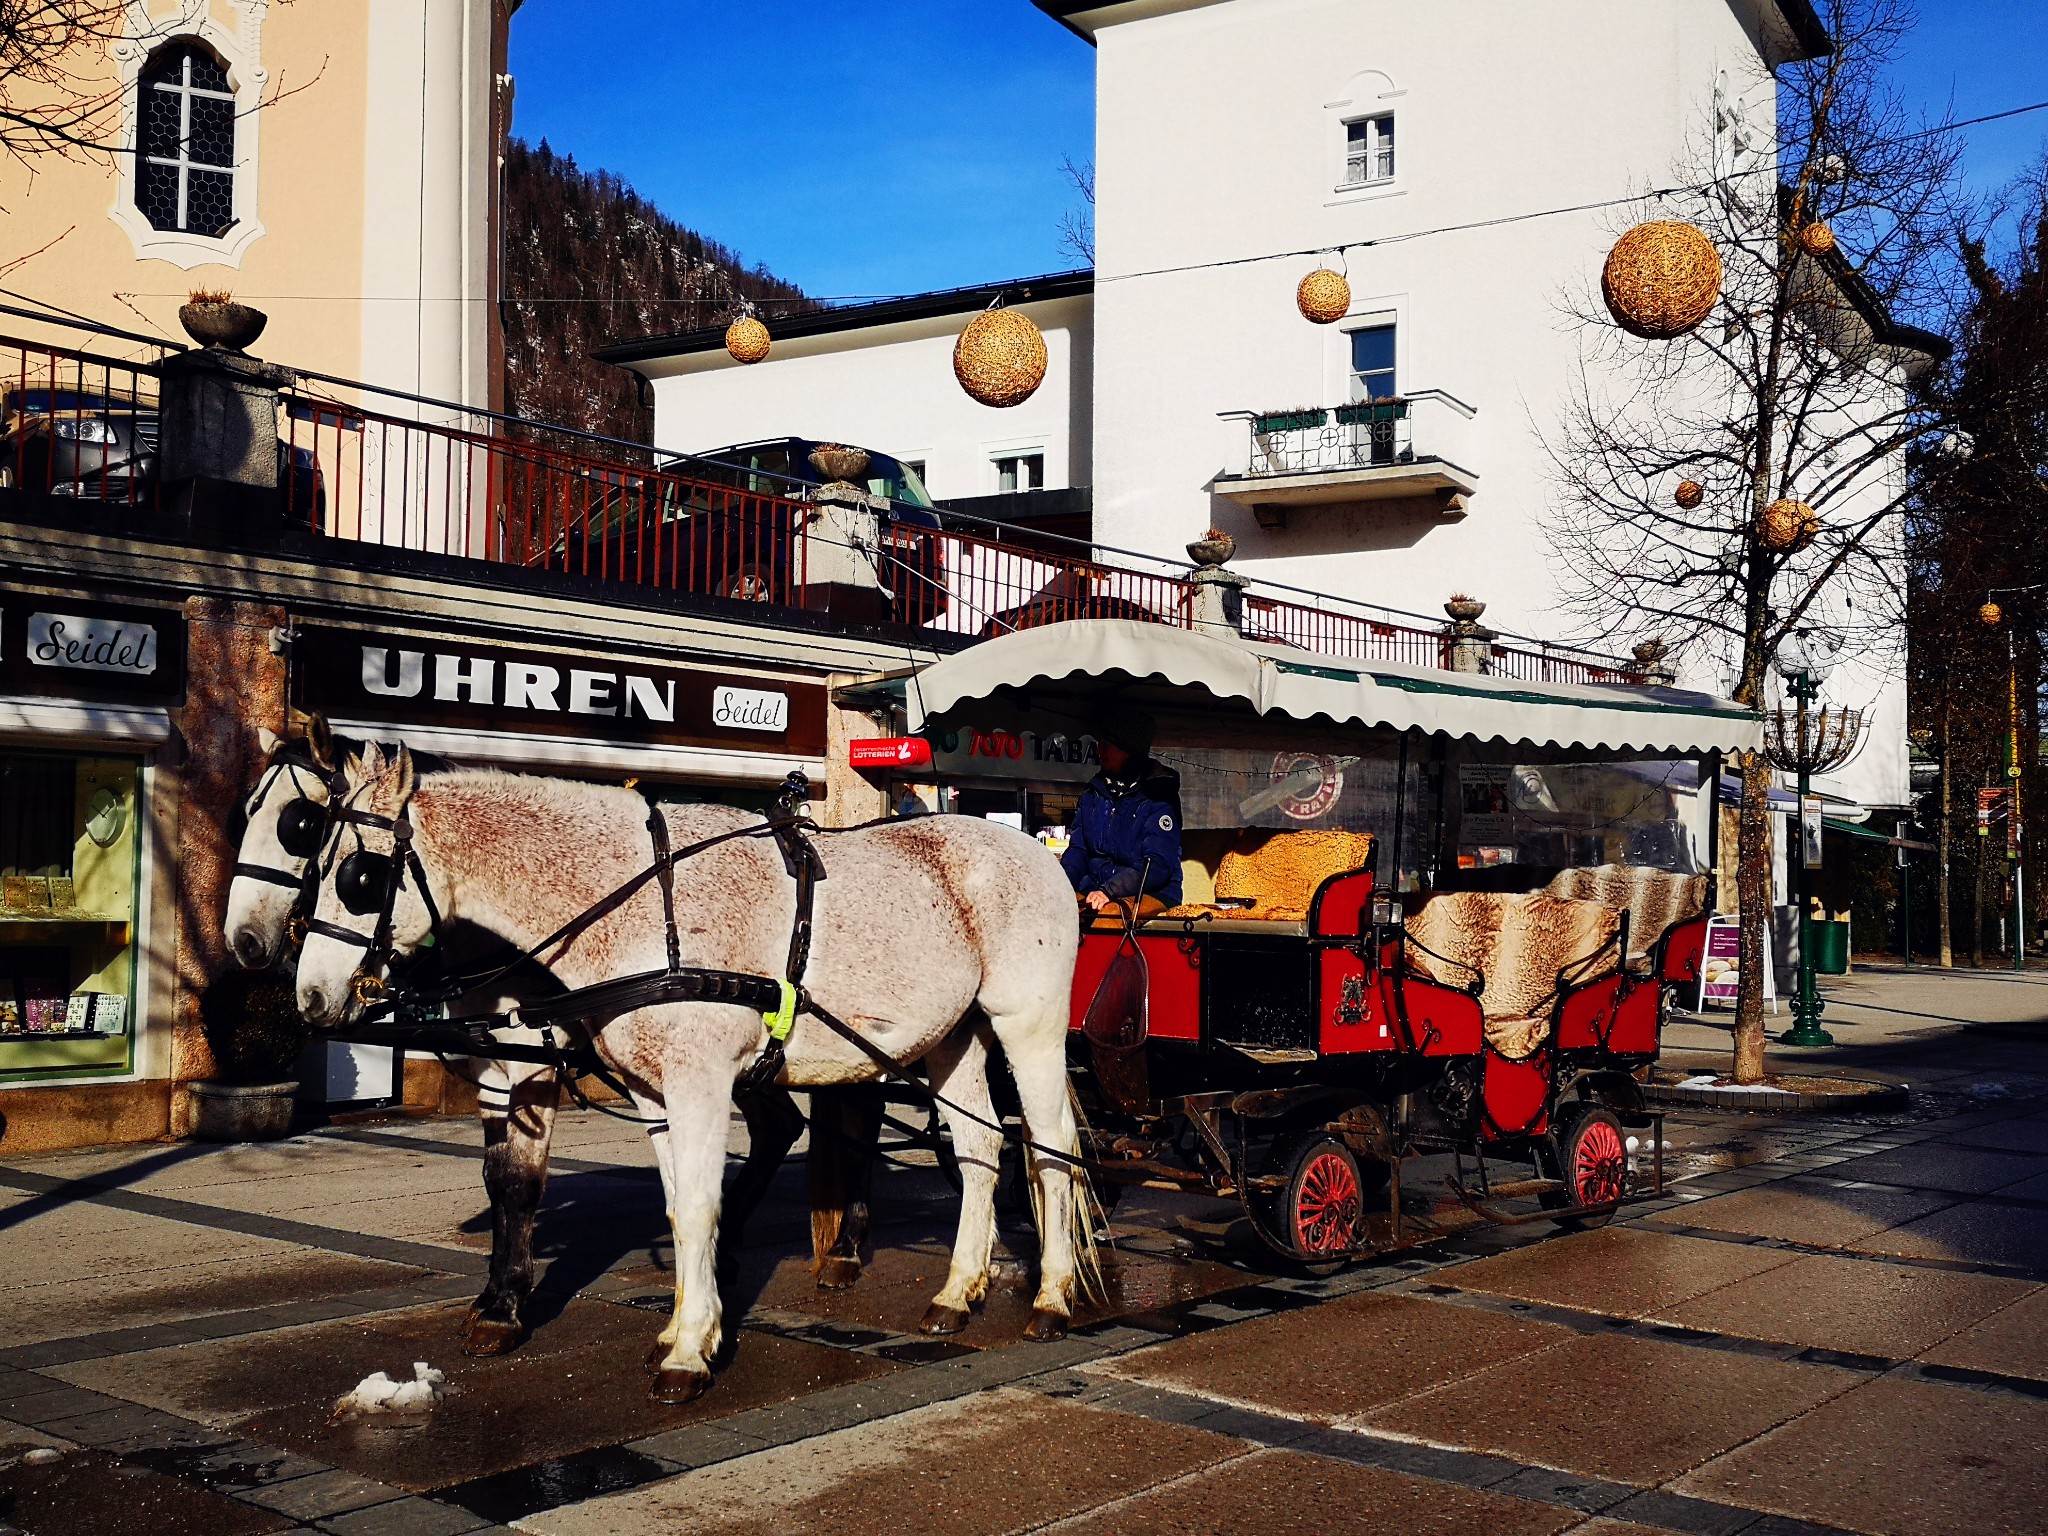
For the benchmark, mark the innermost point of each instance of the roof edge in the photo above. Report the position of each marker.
(858, 317)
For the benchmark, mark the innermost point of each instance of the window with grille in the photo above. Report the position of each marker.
(185, 162)
(1369, 150)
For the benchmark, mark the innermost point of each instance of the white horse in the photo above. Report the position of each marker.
(916, 923)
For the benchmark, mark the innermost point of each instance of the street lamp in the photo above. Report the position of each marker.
(1994, 616)
(1806, 743)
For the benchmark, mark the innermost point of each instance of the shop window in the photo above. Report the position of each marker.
(68, 879)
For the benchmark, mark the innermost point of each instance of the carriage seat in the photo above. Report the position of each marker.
(1519, 942)
(1276, 872)
(1653, 898)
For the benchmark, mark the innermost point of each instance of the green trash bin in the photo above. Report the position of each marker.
(1831, 947)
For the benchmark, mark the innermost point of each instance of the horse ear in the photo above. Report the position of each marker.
(364, 766)
(408, 776)
(268, 740)
(320, 738)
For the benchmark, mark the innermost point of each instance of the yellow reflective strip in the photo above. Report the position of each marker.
(783, 1019)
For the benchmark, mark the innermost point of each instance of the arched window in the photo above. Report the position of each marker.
(185, 114)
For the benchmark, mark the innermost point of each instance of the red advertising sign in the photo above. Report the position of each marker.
(888, 752)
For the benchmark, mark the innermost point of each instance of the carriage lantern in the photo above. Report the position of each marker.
(1690, 494)
(1323, 297)
(747, 339)
(1000, 358)
(1661, 280)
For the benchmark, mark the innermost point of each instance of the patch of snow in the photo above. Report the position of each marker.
(378, 1393)
(1709, 1080)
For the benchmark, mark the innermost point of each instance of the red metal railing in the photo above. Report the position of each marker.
(77, 426)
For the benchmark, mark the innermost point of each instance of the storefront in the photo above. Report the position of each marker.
(86, 693)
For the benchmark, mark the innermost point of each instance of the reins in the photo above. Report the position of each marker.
(779, 1000)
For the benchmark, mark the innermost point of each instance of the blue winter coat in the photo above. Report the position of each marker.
(1118, 826)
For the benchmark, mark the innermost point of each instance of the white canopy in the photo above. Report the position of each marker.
(1277, 680)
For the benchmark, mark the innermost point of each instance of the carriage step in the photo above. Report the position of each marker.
(1271, 1055)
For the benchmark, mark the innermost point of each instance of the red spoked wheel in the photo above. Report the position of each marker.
(1592, 1160)
(1322, 1200)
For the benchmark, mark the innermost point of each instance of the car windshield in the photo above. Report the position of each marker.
(897, 481)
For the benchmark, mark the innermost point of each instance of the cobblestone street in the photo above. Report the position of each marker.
(1827, 1324)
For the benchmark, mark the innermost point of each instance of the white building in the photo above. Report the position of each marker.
(1231, 130)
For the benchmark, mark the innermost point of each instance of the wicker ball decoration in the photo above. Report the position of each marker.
(1789, 526)
(1816, 239)
(1000, 358)
(1690, 493)
(1661, 280)
(747, 340)
(1323, 297)
(1991, 614)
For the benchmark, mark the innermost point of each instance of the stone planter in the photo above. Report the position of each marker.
(1465, 610)
(837, 463)
(1212, 551)
(241, 1112)
(232, 326)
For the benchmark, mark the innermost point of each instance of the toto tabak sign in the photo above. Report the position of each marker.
(399, 679)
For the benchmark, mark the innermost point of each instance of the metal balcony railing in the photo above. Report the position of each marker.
(1365, 434)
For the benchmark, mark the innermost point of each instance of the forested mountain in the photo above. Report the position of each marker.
(589, 261)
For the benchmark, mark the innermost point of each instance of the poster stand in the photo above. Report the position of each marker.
(1718, 986)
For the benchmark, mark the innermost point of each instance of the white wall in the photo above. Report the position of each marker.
(429, 166)
(890, 389)
(1215, 140)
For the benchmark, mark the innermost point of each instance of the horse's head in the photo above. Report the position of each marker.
(283, 823)
(369, 905)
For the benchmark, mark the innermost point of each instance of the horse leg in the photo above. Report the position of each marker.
(959, 1068)
(516, 1138)
(698, 1123)
(773, 1125)
(654, 1116)
(1034, 1043)
(846, 1125)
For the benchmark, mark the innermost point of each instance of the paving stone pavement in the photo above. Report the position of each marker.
(1825, 1325)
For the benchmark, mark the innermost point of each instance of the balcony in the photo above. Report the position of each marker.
(1400, 449)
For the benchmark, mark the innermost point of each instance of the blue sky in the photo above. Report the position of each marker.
(891, 146)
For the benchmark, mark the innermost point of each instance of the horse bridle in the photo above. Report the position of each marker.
(366, 882)
(301, 830)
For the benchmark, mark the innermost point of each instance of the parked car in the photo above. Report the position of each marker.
(726, 523)
(91, 447)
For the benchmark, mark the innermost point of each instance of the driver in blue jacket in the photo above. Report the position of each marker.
(1125, 846)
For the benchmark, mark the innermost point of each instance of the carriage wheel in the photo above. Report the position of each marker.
(1322, 1200)
(1592, 1160)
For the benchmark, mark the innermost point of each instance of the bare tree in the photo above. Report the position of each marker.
(1800, 386)
(1077, 225)
(58, 96)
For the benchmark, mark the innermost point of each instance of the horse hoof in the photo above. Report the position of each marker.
(836, 1273)
(678, 1386)
(1046, 1326)
(942, 1319)
(471, 1317)
(487, 1336)
(656, 1353)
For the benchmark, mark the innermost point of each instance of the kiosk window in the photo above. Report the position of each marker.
(68, 860)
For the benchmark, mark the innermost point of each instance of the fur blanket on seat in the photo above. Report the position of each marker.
(1520, 943)
(1653, 898)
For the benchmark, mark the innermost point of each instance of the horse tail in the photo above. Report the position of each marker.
(1085, 1214)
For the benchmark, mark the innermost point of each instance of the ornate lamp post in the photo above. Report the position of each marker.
(1994, 616)
(1805, 741)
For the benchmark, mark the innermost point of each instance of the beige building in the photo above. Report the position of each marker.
(335, 164)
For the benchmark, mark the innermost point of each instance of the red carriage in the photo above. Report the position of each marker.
(1423, 913)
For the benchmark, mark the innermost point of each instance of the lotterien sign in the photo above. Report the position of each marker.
(356, 674)
(91, 644)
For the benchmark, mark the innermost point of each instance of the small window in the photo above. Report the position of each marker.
(1020, 472)
(1369, 150)
(185, 165)
(1372, 363)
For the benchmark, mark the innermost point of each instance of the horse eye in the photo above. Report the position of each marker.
(362, 880)
(301, 828)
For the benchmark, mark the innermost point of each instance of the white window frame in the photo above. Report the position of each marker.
(1378, 144)
(1028, 451)
(1368, 314)
(1368, 95)
(241, 51)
